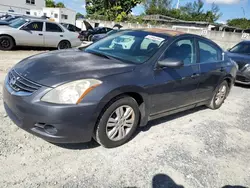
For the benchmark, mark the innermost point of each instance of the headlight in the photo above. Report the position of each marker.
(248, 67)
(71, 93)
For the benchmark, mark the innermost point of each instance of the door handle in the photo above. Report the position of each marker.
(195, 75)
(40, 34)
(61, 35)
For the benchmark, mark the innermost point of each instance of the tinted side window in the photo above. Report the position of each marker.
(183, 50)
(35, 26)
(50, 27)
(209, 53)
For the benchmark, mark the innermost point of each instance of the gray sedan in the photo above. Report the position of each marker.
(37, 33)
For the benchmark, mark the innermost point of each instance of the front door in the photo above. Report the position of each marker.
(176, 87)
(31, 34)
(53, 35)
(212, 69)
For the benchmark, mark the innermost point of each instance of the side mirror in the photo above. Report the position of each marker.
(25, 28)
(171, 62)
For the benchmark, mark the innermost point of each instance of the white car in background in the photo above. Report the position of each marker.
(37, 33)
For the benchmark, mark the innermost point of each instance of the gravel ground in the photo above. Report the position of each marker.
(198, 148)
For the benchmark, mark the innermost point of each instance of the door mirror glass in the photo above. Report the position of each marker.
(171, 62)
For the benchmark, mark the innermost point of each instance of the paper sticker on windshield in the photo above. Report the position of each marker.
(155, 38)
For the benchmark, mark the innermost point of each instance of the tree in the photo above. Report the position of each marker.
(192, 11)
(111, 9)
(60, 5)
(79, 15)
(157, 6)
(50, 3)
(242, 23)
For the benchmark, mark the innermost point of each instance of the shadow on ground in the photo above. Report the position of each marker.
(242, 86)
(81, 146)
(171, 118)
(26, 48)
(164, 181)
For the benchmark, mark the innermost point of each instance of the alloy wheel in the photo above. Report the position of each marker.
(5, 43)
(221, 95)
(120, 123)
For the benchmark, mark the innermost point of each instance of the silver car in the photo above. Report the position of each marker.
(37, 33)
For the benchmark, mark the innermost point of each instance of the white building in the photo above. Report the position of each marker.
(60, 15)
(21, 6)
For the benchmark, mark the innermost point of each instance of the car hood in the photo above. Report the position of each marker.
(4, 23)
(4, 28)
(58, 67)
(239, 57)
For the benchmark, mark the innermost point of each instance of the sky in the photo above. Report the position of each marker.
(230, 8)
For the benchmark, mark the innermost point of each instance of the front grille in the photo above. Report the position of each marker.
(18, 83)
(241, 65)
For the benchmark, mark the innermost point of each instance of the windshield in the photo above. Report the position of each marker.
(18, 23)
(129, 46)
(241, 48)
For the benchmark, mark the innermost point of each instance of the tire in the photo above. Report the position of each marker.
(6, 43)
(110, 136)
(90, 37)
(63, 45)
(223, 88)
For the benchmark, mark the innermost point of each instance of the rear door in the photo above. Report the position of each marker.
(32, 34)
(212, 69)
(54, 34)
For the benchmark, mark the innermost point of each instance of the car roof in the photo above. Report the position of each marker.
(40, 19)
(167, 32)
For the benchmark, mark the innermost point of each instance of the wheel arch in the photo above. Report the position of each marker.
(135, 92)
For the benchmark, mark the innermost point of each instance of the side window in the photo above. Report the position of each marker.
(35, 26)
(209, 53)
(183, 50)
(50, 27)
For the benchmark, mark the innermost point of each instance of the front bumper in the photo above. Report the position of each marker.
(243, 77)
(69, 123)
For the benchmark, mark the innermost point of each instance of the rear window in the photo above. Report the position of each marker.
(50, 27)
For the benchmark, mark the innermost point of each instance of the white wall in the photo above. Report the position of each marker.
(71, 16)
(57, 14)
(20, 6)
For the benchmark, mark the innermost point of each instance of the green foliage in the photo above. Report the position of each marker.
(52, 4)
(110, 9)
(242, 23)
(192, 11)
(79, 15)
(60, 5)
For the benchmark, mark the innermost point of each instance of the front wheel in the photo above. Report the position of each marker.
(118, 123)
(219, 96)
(6, 43)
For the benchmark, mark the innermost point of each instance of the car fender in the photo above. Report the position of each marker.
(128, 90)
